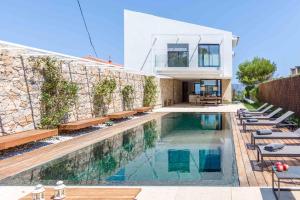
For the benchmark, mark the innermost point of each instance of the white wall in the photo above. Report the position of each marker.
(141, 29)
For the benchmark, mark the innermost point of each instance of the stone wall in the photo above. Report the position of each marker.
(171, 89)
(283, 93)
(226, 90)
(20, 89)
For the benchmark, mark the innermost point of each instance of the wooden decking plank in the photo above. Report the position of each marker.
(76, 125)
(93, 193)
(249, 172)
(264, 178)
(143, 109)
(251, 155)
(122, 114)
(240, 164)
(25, 137)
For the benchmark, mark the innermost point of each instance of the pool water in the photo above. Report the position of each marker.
(177, 149)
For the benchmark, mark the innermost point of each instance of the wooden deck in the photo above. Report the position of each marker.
(121, 115)
(25, 137)
(19, 163)
(93, 194)
(77, 125)
(248, 168)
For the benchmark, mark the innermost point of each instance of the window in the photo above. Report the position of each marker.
(209, 55)
(208, 88)
(178, 55)
(197, 88)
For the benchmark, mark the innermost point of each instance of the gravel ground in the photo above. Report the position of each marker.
(53, 140)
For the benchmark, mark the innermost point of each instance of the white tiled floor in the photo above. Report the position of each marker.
(212, 193)
(180, 193)
(198, 108)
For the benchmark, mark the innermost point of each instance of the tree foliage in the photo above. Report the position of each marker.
(256, 71)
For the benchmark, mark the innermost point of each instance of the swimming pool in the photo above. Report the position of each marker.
(177, 149)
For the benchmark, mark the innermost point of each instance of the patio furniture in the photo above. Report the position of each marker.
(81, 124)
(275, 135)
(143, 109)
(256, 113)
(269, 116)
(25, 137)
(121, 115)
(292, 173)
(286, 151)
(258, 109)
(192, 99)
(267, 122)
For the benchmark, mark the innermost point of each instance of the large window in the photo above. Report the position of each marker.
(209, 55)
(178, 55)
(208, 88)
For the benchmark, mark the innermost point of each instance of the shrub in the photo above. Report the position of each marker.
(254, 94)
(128, 97)
(102, 95)
(58, 95)
(150, 90)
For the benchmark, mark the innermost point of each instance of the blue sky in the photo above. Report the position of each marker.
(268, 28)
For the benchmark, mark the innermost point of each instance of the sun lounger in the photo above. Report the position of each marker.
(25, 137)
(269, 116)
(257, 109)
(275, 135)
(81, 124)
(253, 110)
(256, 113)
(267, 122)
(286, 151)
(121, 115)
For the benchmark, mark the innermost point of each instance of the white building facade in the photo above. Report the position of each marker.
(198, 56)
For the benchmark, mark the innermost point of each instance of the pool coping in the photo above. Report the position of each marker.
(17, 164)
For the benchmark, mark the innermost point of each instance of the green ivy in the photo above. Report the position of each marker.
(128, 97)
(150, 90)
(102, 98)
(58, 95)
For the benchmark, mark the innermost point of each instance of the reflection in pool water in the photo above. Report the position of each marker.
(178, 149)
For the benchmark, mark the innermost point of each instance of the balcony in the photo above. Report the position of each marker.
(192, 71)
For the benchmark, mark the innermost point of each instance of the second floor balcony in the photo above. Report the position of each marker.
(181, 63)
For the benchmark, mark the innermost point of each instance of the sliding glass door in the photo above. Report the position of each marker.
(208, 87)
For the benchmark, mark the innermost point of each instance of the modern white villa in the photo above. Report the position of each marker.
(197, 58)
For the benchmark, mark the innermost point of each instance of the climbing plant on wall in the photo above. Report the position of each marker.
(102, 95)
(128, 97)
(150, 90)
(57, 94)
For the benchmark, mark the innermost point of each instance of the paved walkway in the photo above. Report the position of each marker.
(197, 108)
(180, 193)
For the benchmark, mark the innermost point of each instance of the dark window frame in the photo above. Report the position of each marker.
(178, 53)
(200, 56)
(218, 84)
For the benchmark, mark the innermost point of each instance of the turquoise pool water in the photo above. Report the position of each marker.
(178, 149)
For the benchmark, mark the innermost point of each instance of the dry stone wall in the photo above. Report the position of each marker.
(20, 89)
